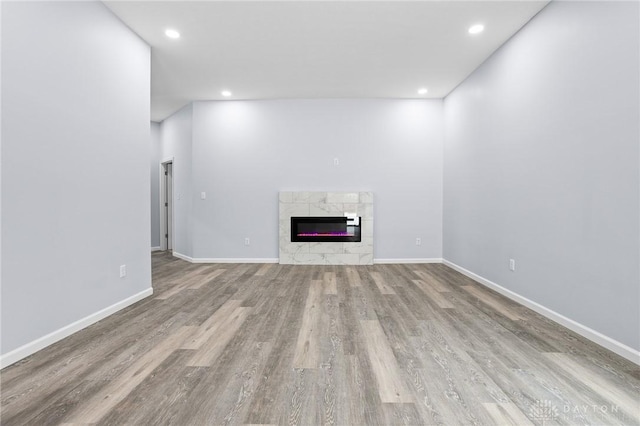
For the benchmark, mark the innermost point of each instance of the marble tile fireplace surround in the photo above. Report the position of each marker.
(322, 204)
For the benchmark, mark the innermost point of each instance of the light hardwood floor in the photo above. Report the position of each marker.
(279, 344)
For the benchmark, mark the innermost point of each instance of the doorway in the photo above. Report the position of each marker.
(166, 206)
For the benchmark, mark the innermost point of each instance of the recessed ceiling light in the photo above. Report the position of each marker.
(226, 93)
(476, 29)
(422, 91)
(172, 33)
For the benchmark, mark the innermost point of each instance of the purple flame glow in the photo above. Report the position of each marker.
(328, 234)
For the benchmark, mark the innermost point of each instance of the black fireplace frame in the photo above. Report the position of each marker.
(355, 238)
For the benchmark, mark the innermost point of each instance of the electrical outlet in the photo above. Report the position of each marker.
(418, 241)
(512, 264)
(123, 271)
(247, 241)
(336, 162)
(203, 195)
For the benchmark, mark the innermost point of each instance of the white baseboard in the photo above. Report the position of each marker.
(158, 248)
(595, 336)
(225, 259)
(235, 260)
(182, 256)
(411, 260)
(51, 338)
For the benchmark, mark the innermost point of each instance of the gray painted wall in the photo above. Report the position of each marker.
(541, 165)
(154, 176)
(75, 193)
(176, 145)
(244, 152)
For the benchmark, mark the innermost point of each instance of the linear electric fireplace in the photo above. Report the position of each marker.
(325, 229)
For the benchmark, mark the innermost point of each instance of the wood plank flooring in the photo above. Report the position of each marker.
(309, 345)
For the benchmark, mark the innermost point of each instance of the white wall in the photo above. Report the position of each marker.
(541, 165)
(75, 175)
(176, 146)
(154, 176)
(244, 152)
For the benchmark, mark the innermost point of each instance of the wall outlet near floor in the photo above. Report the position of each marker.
(247, 241)
(512, 264)
(123, 271)
(418, 241)
(336, 161)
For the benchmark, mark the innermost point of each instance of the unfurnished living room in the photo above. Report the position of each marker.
(320, 212)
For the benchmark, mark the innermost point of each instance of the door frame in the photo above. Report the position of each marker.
(167, 223)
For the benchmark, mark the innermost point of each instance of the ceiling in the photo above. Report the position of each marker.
(315, 49)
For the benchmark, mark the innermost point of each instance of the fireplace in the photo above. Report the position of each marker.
(326, 229)
(310, 236)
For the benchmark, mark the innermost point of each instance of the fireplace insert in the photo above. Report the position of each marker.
(326, 229)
